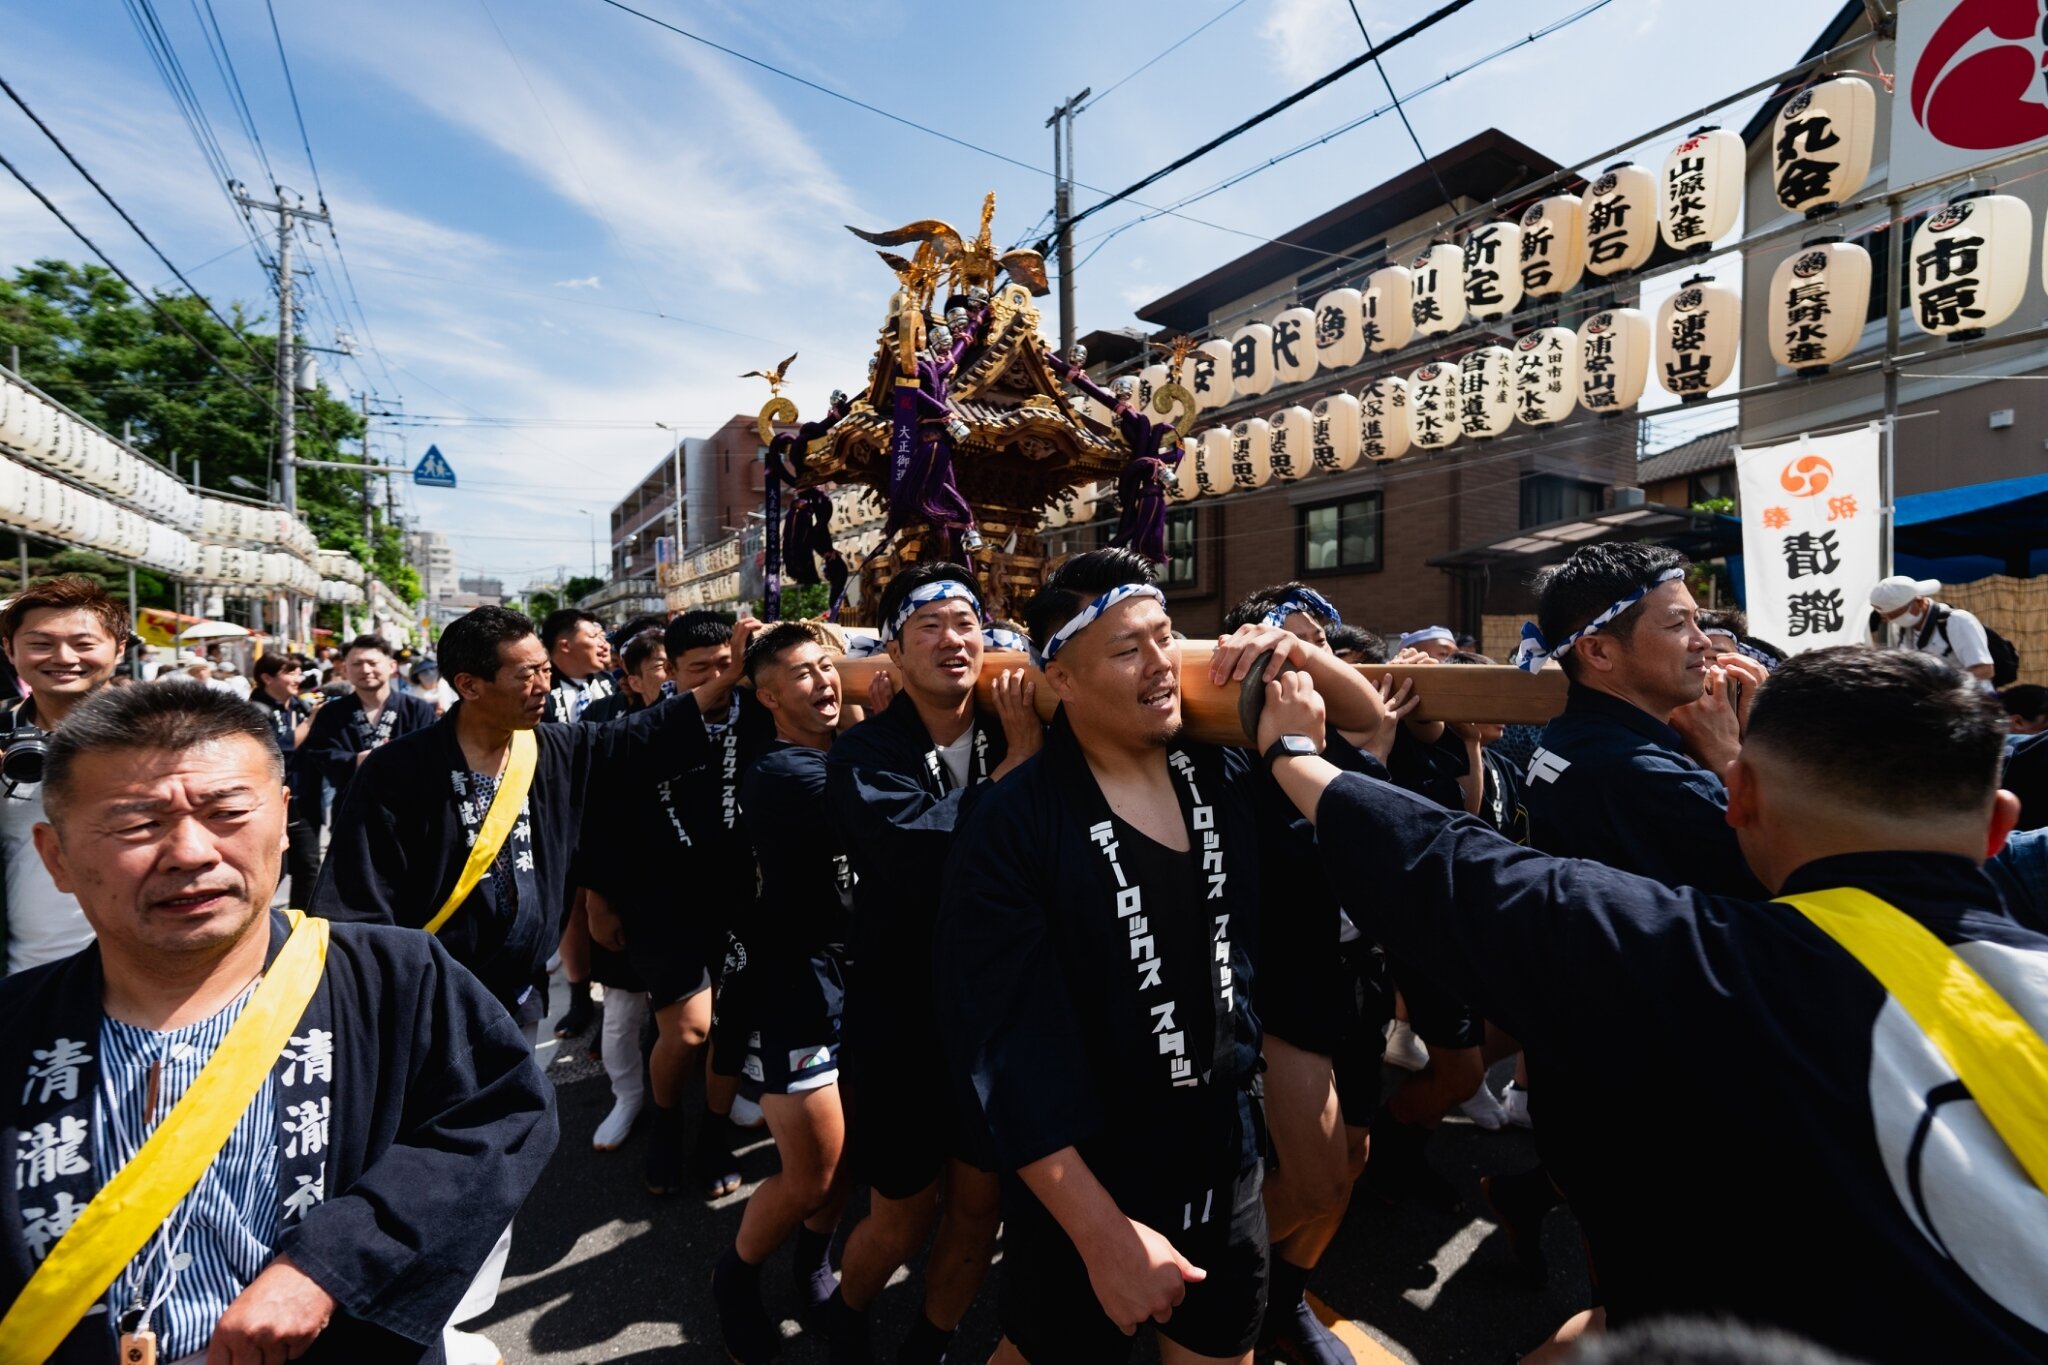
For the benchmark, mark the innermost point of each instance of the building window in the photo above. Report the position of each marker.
(1180, 548)
(1552, 497)
(1339, 536)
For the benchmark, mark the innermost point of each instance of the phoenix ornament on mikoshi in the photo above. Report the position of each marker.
(1154, 448)
(808, 534)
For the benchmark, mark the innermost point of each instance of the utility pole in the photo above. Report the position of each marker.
(1062, 125)
(369, 529)
(287, 324)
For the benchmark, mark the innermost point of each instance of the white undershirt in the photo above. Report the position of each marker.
(43, 924)
(957, 755)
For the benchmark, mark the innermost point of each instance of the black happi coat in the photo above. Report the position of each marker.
(1834, 1177)
(788, 971)
(329, 754)
(1051, 1030)
(439, 1124)
(398, 846)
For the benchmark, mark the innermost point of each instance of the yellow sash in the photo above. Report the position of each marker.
(498, 823)
(1994, 1050)
(129, 1208)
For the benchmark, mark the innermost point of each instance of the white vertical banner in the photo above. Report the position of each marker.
(1812, 528)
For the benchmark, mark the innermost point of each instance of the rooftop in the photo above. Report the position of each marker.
(1715, 450)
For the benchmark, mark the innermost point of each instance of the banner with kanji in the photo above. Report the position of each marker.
(1811, 528)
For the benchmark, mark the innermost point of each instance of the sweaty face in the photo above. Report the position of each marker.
(939, 650)
(1665, 659)
(1123, 674)
(583, 652)
(368, 670)
(515, 698)
(645, 681)
(63, 653)
(802, 689)
(169, 851)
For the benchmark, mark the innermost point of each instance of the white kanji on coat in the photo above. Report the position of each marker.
(308, 1126)
(42, 1227)
(57, 1067)
(51, 1150)
(311, 1190)
(315, 1052)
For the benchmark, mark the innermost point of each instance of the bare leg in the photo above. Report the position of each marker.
(1565, 1340)
(1007, 1354)
(965, 1244)
(881, 1242)
(1313, 1179)
(1306, 1244)
(1450, 1078)
(681, 1028)
(1173, 1353)
(809, 1133)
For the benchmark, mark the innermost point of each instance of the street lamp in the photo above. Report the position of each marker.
(676, 456)
(593, 539)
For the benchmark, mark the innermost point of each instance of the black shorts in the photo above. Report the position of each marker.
(1359, 1001)
(673, 960)
(1049, 1311)
(731, 1013)
(1439, 1018)
(902, 1125)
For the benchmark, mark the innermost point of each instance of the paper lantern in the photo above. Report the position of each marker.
(1209, 374)
(1968, 264)
(1820, 146)
(1340, 329)
(1151, 380)
(1288, 444)
(1819, 295)
(1697, 331)
(1294, 346)
(1614, 359)
(1701, 189)
(1212, 462)
(1251, 360)
(1251, 453)
(1493, 271)
(1184, 487)
(1433, 421)
(1385, 419)
(1621, 219)
(1486, 391)
(1439, 305)
(1388, 307)
(1333, 433)
(1553, 245)
(1546, 376)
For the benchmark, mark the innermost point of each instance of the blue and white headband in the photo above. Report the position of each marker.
(1088, 615)
(1002, 637)
(936, 591)
(1533, 653)
(1308, 602)
(1418, 637)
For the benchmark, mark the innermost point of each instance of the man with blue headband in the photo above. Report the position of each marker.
(897, 786)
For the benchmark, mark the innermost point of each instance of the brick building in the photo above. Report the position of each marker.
(721, 482)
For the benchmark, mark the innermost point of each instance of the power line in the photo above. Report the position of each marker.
(1204, 28)
(224, 66)
(1388, 81)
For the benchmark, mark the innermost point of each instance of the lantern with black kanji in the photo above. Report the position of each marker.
(1151, 380)
(1486, 391)
(1553, 245)
(1820, 145)
(1333, 433)
(1614, 359)
(1340, 329)
(1697, 329)
(1621, 219)
(1493, 271)
(1433, 420)
(1251, 360)
(1212, 462)
(1546, 376)
(1208, 374)
(1287, 444)
(1388, 307)
(1385, 419)
(1439, 290)
(1701, 189)
(1294, 346)
(1819, 295)
(1251, 458)
(1968, 264)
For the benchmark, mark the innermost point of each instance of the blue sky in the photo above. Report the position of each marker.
(566, 220)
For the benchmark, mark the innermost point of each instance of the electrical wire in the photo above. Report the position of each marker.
(1199, 31)
(224, 66)
(1388, 81)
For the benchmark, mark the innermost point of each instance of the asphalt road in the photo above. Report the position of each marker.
(601, 1270)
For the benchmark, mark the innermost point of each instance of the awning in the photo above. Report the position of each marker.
(1959, 535)
(1699, 535)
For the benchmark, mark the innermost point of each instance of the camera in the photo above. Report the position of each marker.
(23, 754)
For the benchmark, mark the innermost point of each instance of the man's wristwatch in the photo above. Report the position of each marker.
(1290, 746)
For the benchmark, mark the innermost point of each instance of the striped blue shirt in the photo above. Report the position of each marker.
(234, 1207)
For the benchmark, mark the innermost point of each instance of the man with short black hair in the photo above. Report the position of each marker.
(279, 677)
(244, 1135)
(1870, 1042)
(347, 730)
(580, 653)
(63, 637)
(2026, 709)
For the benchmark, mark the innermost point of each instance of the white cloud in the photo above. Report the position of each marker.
(587, 282)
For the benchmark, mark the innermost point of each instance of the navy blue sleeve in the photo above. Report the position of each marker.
(330, 750)
(368, 867)
(1673, 816)
(2021, 874)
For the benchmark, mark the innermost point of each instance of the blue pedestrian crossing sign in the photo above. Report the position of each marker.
(433, 470)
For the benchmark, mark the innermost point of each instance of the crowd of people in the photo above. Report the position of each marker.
(1139, 1010)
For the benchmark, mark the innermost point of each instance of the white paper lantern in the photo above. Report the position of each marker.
(1294, 346)
(1433, 421)
(1820, 145)
(1212, 462)
(1288, 443)
(1251, 360)
(1486, 391)
(86, 520)
(1553, 245)
(1209, 374)
(1819, 295)
(1701, 189)
(1385, 419)
(1697, 332)
(69, 507)
(1388, 306)
(1546, 376)
(1333, 433)
(1493, 271)
(1614, 359)
(1184, 487)
(1621, 219)
(1439, 290)
(1968, 264)
(1251, 453)
(10, 491)
(1340, 329)
(1151, 380)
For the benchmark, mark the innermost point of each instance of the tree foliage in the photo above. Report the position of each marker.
(91, 344)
